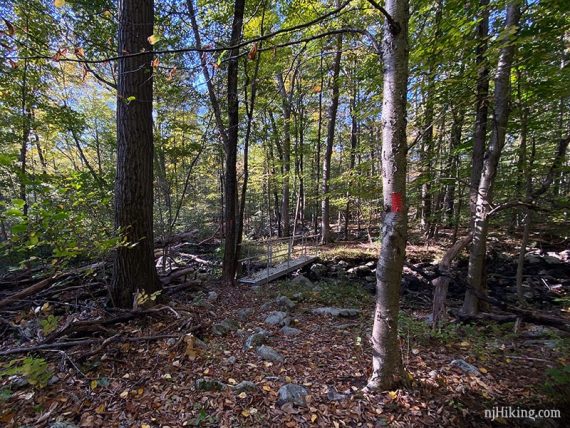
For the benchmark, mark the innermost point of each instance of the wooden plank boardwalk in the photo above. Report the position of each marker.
(266, 275)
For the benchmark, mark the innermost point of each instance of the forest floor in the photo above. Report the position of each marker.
(183, 364)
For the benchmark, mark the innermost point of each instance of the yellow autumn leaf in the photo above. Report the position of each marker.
(266, 388)
(206, 371)
(242, 395)
(140, 391)
(59, 3)
(145, 426)
(483, 370)
(245, 413)
(101, 409)
(464, 344)
(153, 39)
(314, 418)
(124, 394)
(393, 395)
(288, 379)
(93, 384)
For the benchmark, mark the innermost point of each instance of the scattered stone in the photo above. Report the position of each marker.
(334, 395)
(207, 384)
(269, 354)
(292, 393)
(212, 296)
(290, 331)
(256, 339)
(53, 380)
(245, 386)
(266, 306)
(298, 297)
(345, 326)
(343, 264)
(360, 271)
(371, 264)
(278, 318)
(230, 361)
(18, 381)
(171, 341)
(63, 424)
(552, 260)
(337, 312)
(302, 280)
(564, 255)
(224, 327)
(317, 271)
(244, 313)
(532, 258)
(285, 302)
(465, 367)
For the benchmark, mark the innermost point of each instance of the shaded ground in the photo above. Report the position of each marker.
(151, 383)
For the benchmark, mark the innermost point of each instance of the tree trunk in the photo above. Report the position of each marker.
(134, 269)
(484, 195)
(286, 106)
(230, 248)
(481, 104)
(325, 226)
(387, 361)
(353, 145)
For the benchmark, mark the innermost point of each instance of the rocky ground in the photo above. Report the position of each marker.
(291, 353)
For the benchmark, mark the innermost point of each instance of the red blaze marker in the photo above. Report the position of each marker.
(397, 202)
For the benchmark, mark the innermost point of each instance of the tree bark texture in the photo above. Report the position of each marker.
(386, 360)
(134, 269)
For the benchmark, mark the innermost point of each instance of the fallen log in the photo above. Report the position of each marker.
(70, 344)
(45, 283)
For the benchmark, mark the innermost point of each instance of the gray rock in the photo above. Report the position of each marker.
(285, 302)
(334, 395)
(230, 361)
(224, 327)
(564, 255)
(18, 381)
(298, 297)
(244, 313)
(532, 258)
(290, 331)
(256, 339)
(212, 296)
(552, 260)
(245, 386)
(318, 270)
(337, 312)
(278, 318)
(207, 384)
(269, 354)
(302, 280)
(360, 271)
(292, 393)
(465, 367)
(63, 424)
(266, 306)
(53, 380)
(342, 264)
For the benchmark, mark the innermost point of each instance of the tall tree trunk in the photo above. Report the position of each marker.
(386, 357)
(230, 248)
(134, 269)
(318, 149)
(481, 104)
(325, 208)
(286, 106)
(484, 196)
(353, 144)
(249, 112)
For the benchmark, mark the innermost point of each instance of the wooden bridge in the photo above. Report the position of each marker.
(270, 259)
